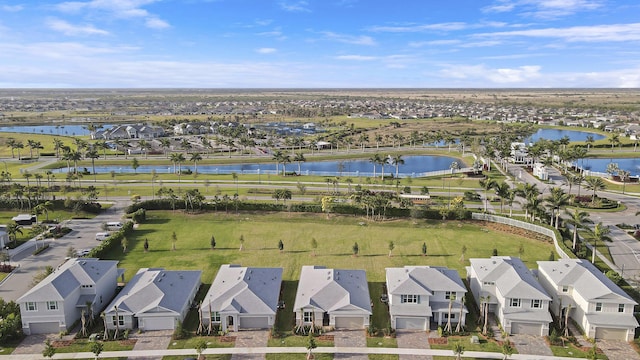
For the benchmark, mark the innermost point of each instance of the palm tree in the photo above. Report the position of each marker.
(503, 191)
(557, 199)
(195, 157)
(277, 156)
(13, 229)
(397, 160)
(57, 146)
(590, 140)
(614, 140)
(487, 184)
(577, 219)
(144, 146)
(528, 192)
(176, 159)
(92, 154)
(102, 145)
(599, 232)
(624, 177)
(375, 160)
(458, 350)
(165, 144)
(595, 184)
(299, 158)
(285, 159)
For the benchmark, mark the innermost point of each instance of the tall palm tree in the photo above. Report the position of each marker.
(590, 140)
(277, 156)
(614, 140)
(528, 192)
(397, 160)
(176, 158)
(375, 160)
(165, 144)
(285, 159)
(487, 184)
(299, 158)
(144, 146)
(13, 229)
(595, 184)
(92, 153)
(599, 232)
(57, 146)
(503, 190)
(195, 157)
(577, 219)
(556, 200)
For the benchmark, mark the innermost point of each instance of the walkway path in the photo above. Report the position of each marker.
(350, 339)
(249, 339)
(151, 340)
(408, 339)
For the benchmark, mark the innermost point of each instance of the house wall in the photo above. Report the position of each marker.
(42, 315)
(129, 321)
(318, 317)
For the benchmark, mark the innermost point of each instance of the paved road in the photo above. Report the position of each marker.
(82, 236)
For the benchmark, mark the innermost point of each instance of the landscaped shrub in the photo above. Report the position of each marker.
(112, 241)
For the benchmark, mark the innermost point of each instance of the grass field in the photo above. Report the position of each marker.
(335, 237)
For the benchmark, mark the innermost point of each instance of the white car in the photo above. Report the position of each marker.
(82, 252)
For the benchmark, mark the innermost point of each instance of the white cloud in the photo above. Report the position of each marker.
(481, 73)
(349, 39)
(450, 26)
(155, 23)
(298, 6)
(74, 30)
(266, 50)
(544, 9)
(597, 33)
(11, 8)
(120, 9)
(356, 58)
(434, 43)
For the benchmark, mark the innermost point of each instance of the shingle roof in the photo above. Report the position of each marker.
(332, 289)
(153, 290)
(511, 276)
(585, 279)
(423, 280)
(244, 290)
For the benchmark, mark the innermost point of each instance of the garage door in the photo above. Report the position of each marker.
(530, 329)
(157, 323)
(44, 328)
(344, 322)
(411, 323)
(611, 334)
(256, 322)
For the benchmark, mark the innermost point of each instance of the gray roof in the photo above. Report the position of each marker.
(332, 289)
(585, 279)
(244, 290)
(511, 276)
(68, 277)
(156, 290)
(423, 280)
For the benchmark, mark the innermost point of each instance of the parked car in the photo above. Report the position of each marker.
(102, 235)
(82, 252)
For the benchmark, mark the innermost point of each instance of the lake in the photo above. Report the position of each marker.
(557, 134)
(66, 130)
(413, 166)
(632, 165)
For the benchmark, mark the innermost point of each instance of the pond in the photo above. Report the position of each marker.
(413, 166)
(62, 130)
(632, 165)
(557, 134)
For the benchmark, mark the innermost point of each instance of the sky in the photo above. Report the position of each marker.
(320, 44)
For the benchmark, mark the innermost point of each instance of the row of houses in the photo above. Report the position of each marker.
(419, 297)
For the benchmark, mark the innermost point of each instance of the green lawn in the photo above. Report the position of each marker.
(382, 342)
(335, 237)
(84, 345)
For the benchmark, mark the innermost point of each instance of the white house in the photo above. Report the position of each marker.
(597, 304)
(519, 302)
(419, 295)
(242, 298)
(154, 299)
(540, 171)
(4, 237)
(55, 303)
(332, 297)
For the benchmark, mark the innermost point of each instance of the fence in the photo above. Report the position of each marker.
(523, 225)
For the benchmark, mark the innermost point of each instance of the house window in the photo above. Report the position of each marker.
(449, 295)
(446, 316)
(565, 288)
(536, 304)
(31, 306)
(215, 316)
(488, 283)
(598, 307)
(621, 308)
(409, 299)
(120, 320)
(52, 305)
(514, 302)
(307, 316)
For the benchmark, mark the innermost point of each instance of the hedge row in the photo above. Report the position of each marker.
(61, 204)
(111, 242)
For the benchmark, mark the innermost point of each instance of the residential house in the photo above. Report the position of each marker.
(4, 236)
(154, 299)
(242, 298)
(332, 297)
(421, 295)
(512, 293)
(132, 131)
(57, 302)
(597, 304)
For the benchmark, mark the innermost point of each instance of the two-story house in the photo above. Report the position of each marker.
(597, 304)
(332, 297)
(54, 304)
(421, 295)
(519, 302)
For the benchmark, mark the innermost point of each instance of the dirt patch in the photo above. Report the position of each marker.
(128, 342)
(227, 339)
(515, 231)
(438, 341)
(61, 343)
(326, 337)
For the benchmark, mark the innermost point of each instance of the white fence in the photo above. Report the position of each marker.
(523, 225)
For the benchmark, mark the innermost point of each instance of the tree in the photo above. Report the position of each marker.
(96, 348)
(463, 252)
(503, 190)
(124, 242)
(556, 200)
(174, 239)
(135, 164)
(200, 346)
(299, 158)
(49, 350)
(614, 140)
(458, 350)
(241, 242)
(314, 246)
(397, 160)
(424, 249)
(507, 349)
(624, 177)
(146, 245)
(280, 245)
(195, 157)
(13, 229)
(311, 344)
(589, 141)
(487, 184)
(391, 247)
(92, 154)
(213, 242)
(356, 249)
(375, 160)
(595, 184)
(599, 232)
(577, 219)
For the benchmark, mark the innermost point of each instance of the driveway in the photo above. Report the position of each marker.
(615, 349)
(151, 340)
(531, 345)
(352, 339)
(82, 236)
(249, 339)
(408, 339)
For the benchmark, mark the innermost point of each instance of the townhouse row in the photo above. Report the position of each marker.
(419, 297)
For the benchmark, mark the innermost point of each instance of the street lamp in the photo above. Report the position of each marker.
(8, 254)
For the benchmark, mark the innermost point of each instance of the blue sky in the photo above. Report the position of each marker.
(319, 43)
